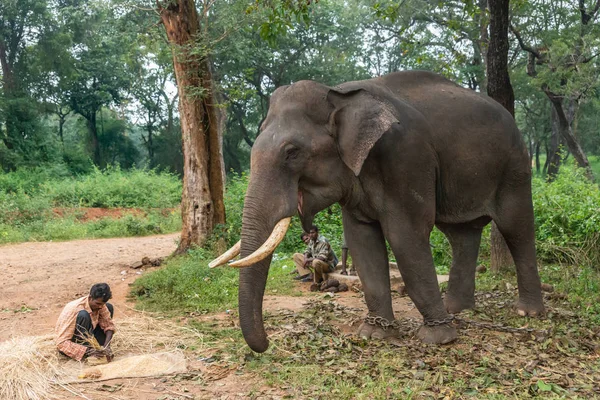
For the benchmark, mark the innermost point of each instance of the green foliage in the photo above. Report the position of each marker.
(186, 284)
(47, 203)
(47, 226)
(114, 187)
(248, 69)
(567, 218)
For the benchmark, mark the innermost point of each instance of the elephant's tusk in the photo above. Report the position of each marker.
(268, 246)
(227, 256)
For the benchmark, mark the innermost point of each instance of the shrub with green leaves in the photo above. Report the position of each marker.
(567, 217)
(29, 199)
(114, 187)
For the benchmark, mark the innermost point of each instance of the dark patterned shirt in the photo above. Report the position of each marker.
(321, 249)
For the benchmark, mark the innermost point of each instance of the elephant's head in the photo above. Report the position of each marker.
(311, 148)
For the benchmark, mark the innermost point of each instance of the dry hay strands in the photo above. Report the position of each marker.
(143, 335)
(28, 368)
(92, 341)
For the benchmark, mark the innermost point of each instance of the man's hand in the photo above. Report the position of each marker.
(109, 354)
(308, 262)
(91, 352)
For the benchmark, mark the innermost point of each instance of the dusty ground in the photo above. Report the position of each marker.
(38, 279)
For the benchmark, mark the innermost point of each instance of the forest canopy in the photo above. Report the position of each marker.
(91, 83)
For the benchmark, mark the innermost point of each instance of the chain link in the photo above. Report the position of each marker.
(438, 322)
(382, 322)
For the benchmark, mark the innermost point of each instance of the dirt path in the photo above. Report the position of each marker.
(38, 279)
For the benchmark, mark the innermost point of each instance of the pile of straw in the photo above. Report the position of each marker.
(30, 366)
(143, 335)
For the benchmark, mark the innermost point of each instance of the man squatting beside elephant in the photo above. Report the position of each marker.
(401, 153)
(319, 258)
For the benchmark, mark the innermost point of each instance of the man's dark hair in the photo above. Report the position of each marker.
(314, 228)
(303, 234)
(101, 291)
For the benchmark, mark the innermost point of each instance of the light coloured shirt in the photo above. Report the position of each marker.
(321, 249)
(65, 326)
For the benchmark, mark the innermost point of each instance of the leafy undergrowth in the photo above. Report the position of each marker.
(186, 284)
(311, 357)
(45, 204)
(70, 226)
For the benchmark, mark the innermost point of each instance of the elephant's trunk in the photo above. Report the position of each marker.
(258, 222)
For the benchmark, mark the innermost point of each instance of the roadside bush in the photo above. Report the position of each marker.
(116, 188)
(42, 203)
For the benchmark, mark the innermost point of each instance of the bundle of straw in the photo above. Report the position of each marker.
(28, 365)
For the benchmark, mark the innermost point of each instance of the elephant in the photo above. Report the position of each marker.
(401, 153)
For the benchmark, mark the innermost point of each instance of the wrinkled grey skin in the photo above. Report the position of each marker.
(400, 153)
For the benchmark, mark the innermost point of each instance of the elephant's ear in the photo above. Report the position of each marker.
(358, 121)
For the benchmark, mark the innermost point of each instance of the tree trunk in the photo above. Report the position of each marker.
(537, 157)
(483, 42)
(94, 142)
(565, 121)
(500, 89)
(202, 204)
(554, 153)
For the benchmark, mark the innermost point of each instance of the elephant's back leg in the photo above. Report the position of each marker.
(464, 240)
(515, 220)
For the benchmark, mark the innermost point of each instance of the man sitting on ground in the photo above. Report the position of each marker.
(303, 272)
(83, 319)
(319, 257)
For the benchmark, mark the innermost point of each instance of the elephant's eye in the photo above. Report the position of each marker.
(291, 152)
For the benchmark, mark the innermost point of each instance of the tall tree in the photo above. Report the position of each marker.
(560, 58)
(202, 201)
(23, 25)
(500, 89)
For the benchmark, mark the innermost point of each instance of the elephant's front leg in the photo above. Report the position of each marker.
(369, 255)
(409, 241)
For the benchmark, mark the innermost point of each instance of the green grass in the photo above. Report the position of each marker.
(186, 284)
(29, 199)
(70, 228)
(595, 164)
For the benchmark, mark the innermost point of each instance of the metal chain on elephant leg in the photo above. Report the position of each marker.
(385, 323)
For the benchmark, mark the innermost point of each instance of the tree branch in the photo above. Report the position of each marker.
(590, 58)
(522, 44)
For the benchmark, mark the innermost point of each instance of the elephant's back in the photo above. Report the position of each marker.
(449, 107)
(476, 140)
(458, 117)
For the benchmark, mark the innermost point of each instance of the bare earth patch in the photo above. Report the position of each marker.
(38, 279)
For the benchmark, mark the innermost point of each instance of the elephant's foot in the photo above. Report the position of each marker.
(528, 308)
(440, 334)
(455, 304)
(368, 331)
